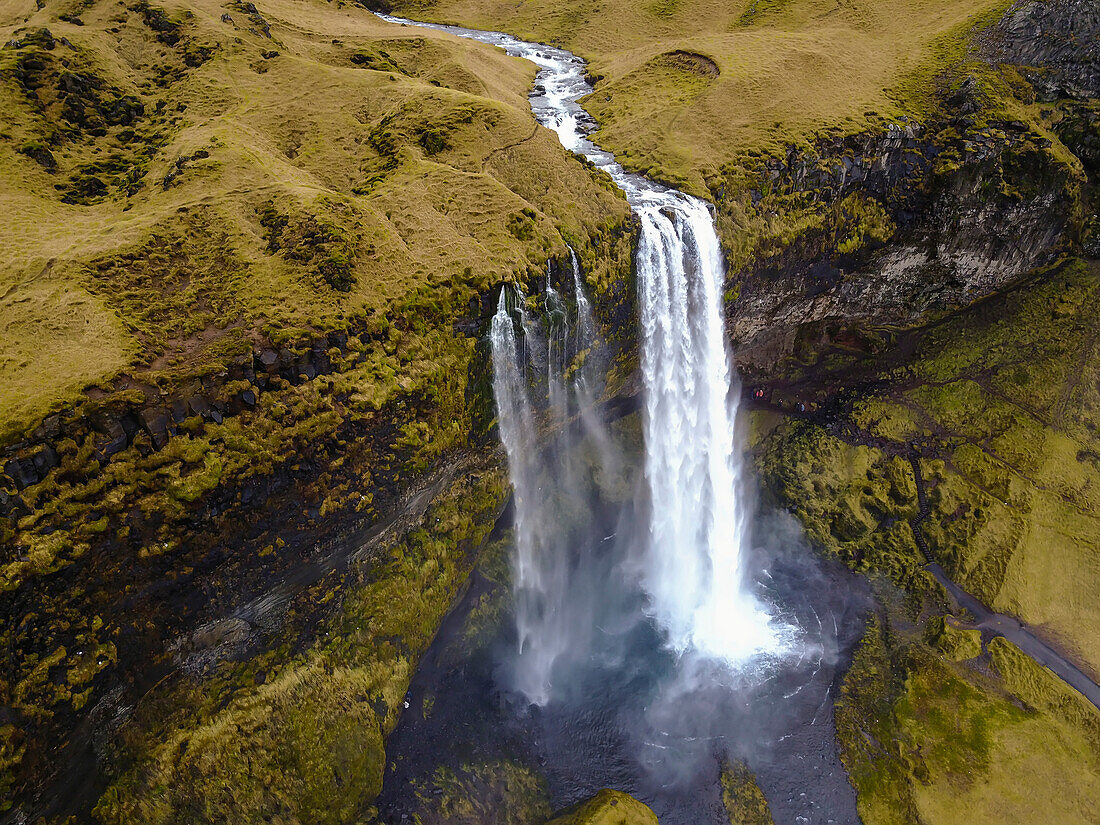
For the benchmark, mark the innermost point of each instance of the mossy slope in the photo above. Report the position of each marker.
(928, 741)
(759, 76)
(249, 251)
(397, 159)
(607, 807)
(299, 730)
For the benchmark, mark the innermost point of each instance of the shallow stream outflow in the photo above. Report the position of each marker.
(657, 634)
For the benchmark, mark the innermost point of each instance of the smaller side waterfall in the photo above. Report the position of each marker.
(532, 350)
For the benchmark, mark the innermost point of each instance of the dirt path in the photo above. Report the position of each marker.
(999, 624)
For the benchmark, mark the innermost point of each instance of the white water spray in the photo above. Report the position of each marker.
(516, 420)
(698, 520)
(549, 482)
(693, 560)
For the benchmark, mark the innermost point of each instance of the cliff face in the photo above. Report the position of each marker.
(240, 346)
(1054, 44)
(920, 315)
(897, 226)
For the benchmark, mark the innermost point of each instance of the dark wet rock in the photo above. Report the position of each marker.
(21, 471)
(965, 99)
(49, 428)
(114, 438)
(39, 153)
(211, 644)
(199, 406)
(155, 421)
(45, 458)
(943, 206)
(1091, 241)
(180, 410)
(256, 18)
(1055, 43)
(130, 424)
(964, 207)
(1079, 130)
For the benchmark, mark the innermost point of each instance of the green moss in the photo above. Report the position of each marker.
(950, 723)
(608, 807)
(862, 222)
(39, 152)
(758, 10)
(504, 793)
(1000, 399)
(926, 740)
(199, 481)
(308, 738)
(744, 802)
(866, 731)
(12, 751)
(788, 71)
(420, 224)
(957, 643)
(854, 501)
(312, 241)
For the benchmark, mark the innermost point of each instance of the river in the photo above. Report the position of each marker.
(657, 635)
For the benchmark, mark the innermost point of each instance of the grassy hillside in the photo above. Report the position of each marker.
(686, 87)
(996, 406)
(183, 181)
(938, 733)
(246, 256)
(999, 405)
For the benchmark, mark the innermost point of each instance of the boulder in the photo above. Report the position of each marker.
(45, 459)
(155, 422)
(114, 438)
(608, 807)
(22, 472)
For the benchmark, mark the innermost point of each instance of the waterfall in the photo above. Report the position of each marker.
(697, 531)
(548, 481)
(694, 549)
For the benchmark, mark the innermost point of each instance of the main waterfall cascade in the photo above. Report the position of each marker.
(698, 519)
(692, 564)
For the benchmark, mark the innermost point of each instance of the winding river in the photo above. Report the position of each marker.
(671, 634)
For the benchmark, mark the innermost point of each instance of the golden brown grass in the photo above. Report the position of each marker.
(788, 70)
(308, 129)
(939, 743)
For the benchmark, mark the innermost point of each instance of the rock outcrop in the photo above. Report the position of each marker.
(913, 221)
(1053, 43)
(608, 807)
